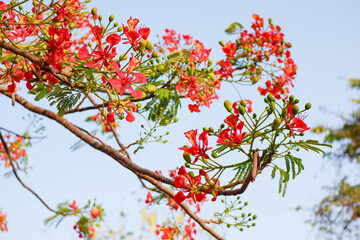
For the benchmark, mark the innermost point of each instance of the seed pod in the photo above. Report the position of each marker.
(276, 123)
(241, 109)
(307, 106)
(111, 18)
(151, 88)
(227, 105)
(295, 109)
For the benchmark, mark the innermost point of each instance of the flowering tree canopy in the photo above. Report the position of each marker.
(115, 74)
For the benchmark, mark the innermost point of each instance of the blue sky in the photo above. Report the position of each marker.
(324, 35)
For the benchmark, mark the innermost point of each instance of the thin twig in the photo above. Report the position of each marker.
(22, 183)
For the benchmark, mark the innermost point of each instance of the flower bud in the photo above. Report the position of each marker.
(270, 97)
(187, 165)
(176, 119)
(191, 174)
(221, 43)
(142, 45)
(296, 101)
(116, 24)
(155, 55)
(209, 63)
(211, 129)
(149, 45)
(291, 98)
(187, 157)
(272, 106)
(243, 103)
(276, 123)
(228, 106)
(111, 18)
(138, 105)
(241, 109)
(100, 17)
(295, 109)
(151, 88)
(214, 155)
(123, 57)
(72, 25)
(160, 68)
(307, 106)
(94, 11)
(119, 29)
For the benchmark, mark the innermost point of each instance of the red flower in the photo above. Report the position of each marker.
(149, 198)
(91, 231)
(125, 80)
(188, 184)
(229, 49)
(102, 56)
(134, 36)
(3, 226)
(232, 136)
(110, 117)
(297, 125)
(74, 205)
(226, 69)
(95, 212)
(196, 149)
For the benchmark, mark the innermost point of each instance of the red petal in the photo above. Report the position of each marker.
(113, 39)
(179, 197)
(84, 53)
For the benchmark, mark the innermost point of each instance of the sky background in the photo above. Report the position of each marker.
(324, 35)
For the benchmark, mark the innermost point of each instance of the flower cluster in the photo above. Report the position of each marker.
(196, 79)
(3, 226)
(253, 52)
(167, 232)
(15, 146)
(193, 186)
(85, 226)
(21, 28)
(102, 121)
